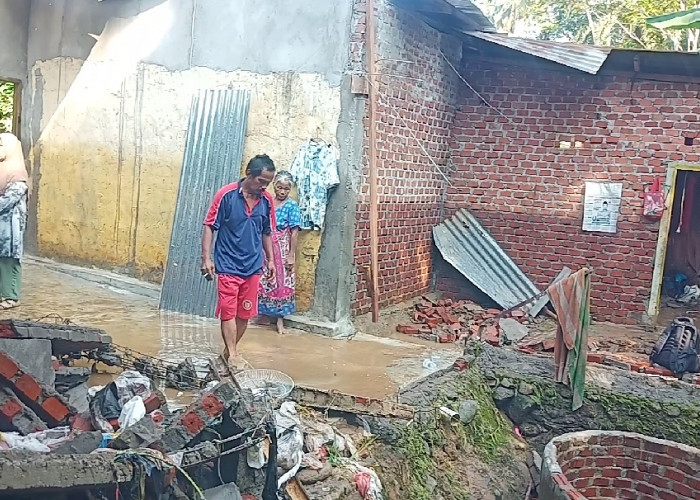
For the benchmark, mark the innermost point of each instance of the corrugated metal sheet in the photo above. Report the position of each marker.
(449, 16)
(587, 58)
(213, 153)
(465, 244)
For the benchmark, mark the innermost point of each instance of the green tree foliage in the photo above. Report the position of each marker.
(617, 23)
(7, 101)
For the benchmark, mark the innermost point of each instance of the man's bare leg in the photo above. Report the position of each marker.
(241, 327)
(229, 332)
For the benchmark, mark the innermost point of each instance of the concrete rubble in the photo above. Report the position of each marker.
(58, 435)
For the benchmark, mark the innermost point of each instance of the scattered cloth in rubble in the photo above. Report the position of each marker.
(691, 293)
(315, 171)
(41, 442)
(15, 441)
(255, 456)
(290, 440)
(317, 434)
(367, 482)
(107, 404)
(571, 300)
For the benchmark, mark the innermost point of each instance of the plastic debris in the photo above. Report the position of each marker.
(133, 411)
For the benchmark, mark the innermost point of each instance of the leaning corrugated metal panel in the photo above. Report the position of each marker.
(464, 243)
(213, 153)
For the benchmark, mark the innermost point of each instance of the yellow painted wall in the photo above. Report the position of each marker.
(111, 150)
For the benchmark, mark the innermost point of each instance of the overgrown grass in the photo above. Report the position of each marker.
(488, 434)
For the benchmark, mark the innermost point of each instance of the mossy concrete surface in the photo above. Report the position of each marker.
(524, 389)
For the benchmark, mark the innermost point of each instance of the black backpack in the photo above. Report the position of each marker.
(678, 347)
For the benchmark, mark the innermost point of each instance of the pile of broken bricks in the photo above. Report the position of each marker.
(447, 321)
(47, 405)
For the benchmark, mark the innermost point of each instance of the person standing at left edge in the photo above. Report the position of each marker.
(243, 215)
(14, 190)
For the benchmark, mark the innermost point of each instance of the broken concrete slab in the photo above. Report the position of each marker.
(50, 406)
(513, 329)
(15, 416)
(80, 443)
(227, 491)
(34, 355)
(338, 401)
(68, 377)
(64, 338)
(22, 470)
(78, 398)
(336, 329)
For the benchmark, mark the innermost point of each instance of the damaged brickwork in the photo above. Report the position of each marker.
(417, 95)
(615, 465)
(523, 174)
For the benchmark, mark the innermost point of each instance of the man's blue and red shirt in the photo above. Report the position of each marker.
(238, 250)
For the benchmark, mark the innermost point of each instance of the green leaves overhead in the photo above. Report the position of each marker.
(616, 23)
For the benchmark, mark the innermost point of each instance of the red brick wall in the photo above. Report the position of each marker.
(616, 465)
(417, 98)
(528, 192)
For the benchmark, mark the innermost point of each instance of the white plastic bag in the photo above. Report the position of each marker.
(15, 441)
(132, 411)
(290, 441)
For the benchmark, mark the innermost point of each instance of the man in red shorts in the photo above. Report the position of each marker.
(243, 214)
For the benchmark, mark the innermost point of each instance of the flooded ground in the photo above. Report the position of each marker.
(366, 365)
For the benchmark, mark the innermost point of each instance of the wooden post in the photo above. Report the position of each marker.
(372, 160)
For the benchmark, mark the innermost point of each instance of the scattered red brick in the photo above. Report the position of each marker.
(447, 321)
(82, 422)
(460, 364)
(44, 401)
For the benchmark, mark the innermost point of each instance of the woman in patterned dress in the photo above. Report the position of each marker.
(276, 298)
(14, 189)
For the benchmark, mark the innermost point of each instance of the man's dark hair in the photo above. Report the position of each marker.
(258, 163)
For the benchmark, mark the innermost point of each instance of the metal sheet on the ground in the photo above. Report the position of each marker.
(465, 244)
(213, 154)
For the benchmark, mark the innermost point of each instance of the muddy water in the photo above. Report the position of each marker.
(367, 365)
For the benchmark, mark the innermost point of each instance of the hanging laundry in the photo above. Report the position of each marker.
(315, 171)
(571, 300)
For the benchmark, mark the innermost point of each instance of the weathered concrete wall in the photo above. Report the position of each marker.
(14, 19)
(109, 125)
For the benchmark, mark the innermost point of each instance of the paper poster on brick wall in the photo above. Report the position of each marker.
(601, 206)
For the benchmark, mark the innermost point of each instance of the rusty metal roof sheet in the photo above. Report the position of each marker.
(587, 58)
(464, 243)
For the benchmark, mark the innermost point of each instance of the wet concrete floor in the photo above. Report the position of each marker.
(366, 365)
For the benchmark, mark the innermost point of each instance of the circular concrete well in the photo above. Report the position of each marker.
(608, 465)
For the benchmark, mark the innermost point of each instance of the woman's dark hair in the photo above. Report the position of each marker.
(258, 163)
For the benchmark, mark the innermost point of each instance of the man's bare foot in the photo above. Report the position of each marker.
(280, 326)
